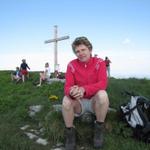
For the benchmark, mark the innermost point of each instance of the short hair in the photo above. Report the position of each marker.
(46, 64)
(23, 60)
(81, 40)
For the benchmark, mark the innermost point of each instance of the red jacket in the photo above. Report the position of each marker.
(91, 76)
(107, 62)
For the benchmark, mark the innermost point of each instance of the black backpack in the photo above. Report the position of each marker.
(137, 114)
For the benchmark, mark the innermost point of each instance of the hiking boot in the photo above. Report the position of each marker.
(98, 135)
(70, 143)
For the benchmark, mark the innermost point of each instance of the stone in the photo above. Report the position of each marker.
(42, 141)
(34, 109)
(25, 127)
(61, 148)
(87, 117)
(58, 146)
(35, 131)
(51, 80)
(31, 135)
(57, 107)
(112, 109)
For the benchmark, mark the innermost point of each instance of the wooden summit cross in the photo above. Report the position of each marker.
(55, 40)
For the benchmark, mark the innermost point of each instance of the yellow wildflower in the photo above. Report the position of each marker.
(53, 97)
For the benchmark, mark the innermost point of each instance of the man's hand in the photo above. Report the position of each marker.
(82, 91)
(77, 92)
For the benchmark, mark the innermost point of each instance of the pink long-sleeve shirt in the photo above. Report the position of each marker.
(90, 75)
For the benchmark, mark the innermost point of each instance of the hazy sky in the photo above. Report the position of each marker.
(119, 29)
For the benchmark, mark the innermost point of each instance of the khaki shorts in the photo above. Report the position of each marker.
(86, 106)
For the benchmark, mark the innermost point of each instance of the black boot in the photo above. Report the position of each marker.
(70, 143)
(98, 134)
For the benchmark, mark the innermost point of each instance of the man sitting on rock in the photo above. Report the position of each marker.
(86, 82)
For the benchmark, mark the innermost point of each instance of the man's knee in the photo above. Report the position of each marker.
(102, 97)
(66, 103)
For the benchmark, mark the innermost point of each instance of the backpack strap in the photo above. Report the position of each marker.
(130, 110)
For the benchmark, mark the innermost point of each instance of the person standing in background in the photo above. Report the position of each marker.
(107, 62)
(23, 67)
(57, 71)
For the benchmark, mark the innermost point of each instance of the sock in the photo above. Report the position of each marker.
(98, 122)
(69, 128)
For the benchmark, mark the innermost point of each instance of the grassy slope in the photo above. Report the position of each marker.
(15, 100)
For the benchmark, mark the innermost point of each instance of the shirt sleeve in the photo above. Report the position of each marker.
(101, 84)
(28, 67)
(69, 76)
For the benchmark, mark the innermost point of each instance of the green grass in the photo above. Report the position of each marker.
(15, 100)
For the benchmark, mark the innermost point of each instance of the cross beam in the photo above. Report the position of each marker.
(55, 40)
(58, 39)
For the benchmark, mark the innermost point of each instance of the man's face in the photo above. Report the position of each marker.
(83, 53)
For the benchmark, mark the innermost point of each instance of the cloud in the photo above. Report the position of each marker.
(126, 41)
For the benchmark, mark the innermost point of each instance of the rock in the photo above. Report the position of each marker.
(112, 109)
(61, 148)
(42, 130)
(34, 109)
(31, 113)
(51, 80)
(58, 146)
(31, 135)
(87, 117)
(42, 141)
(25, 127)
(57, 107)
(35, 131)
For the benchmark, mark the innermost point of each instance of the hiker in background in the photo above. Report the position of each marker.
(95, 55)
(16, 75)
(107, 62)
(85, 91)
(57, 71)
(45, 75)
(23, 67)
